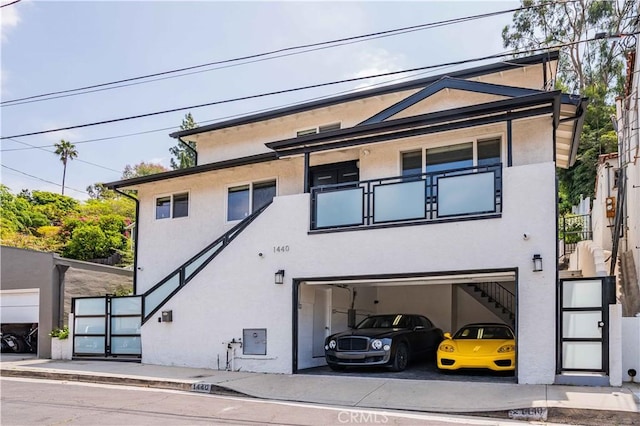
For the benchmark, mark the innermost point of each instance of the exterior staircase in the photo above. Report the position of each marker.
(496, 298)
(154, 298)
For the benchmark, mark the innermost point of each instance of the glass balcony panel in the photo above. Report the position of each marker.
(339, 208)
(190, 268)
(126, 346)
(582, 355)
(92, 306)
(466, 194)
(155, 298)
(399, 201)
(126, 305)
(581, 325)
(582, 294)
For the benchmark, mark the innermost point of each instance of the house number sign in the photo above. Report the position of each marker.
(280, 249)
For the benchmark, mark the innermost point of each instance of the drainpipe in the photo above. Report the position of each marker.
(190, 148)
(135, 238)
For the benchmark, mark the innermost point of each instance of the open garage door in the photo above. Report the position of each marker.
(448, 301)
(19, 306)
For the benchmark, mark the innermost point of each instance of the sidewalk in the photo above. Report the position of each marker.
(349, 391)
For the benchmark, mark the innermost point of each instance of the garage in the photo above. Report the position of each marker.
(19, 316)
(329, 305)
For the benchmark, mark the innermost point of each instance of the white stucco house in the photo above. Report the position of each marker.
(435, 196)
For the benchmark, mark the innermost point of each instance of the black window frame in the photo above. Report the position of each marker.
(250, 188)
(171, 206)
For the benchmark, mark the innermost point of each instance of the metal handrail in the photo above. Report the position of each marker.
(211, 251)
(618, 221)
(431, 189)
(499, 295)
(575, 228)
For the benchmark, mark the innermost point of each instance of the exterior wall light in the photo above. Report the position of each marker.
(537, 263)
(279, 277)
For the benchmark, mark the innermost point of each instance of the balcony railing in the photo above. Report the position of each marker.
(437, 196)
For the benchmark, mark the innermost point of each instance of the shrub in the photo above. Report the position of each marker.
(60, 333)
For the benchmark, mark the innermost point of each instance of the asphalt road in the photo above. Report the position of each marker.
(46, 402)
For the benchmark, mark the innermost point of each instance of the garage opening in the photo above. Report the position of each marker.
(19, 316)
(447, 301)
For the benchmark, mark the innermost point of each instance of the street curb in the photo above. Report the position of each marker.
(128, 381)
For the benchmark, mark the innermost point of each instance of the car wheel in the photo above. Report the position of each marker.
(337, 367)
(401, 358)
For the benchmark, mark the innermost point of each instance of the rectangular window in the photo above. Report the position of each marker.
(319, 129)
(411, 163)
(449, 157)
(489, 152)
(181, 205)
(163, 207)
(176, 205)
(246, 199)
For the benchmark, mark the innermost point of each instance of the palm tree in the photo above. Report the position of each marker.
(67, 151)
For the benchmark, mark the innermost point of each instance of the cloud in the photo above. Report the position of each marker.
(378, 61)
(9, 19)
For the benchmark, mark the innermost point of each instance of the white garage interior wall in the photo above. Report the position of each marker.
(446, 305)
(19, 306)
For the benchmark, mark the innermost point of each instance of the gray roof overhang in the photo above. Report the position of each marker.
(243, 161)
(413, 84)
(470, 116)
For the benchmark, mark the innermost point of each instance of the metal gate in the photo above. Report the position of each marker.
(583, 324)
(107, 327)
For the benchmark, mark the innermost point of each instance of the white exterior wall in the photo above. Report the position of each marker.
(602, 225)
(630, 347)
(237, 290)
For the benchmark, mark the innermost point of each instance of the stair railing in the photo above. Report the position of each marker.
(160, 293)
(499, 295)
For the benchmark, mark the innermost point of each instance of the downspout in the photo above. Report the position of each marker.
(190, 148)
(135, 238)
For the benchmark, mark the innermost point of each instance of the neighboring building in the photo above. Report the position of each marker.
(37, 288)
(418, 197)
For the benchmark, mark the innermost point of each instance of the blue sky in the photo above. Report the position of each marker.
(49, 46)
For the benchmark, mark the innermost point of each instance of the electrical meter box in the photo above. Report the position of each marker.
(254, 341)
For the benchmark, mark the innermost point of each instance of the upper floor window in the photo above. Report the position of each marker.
(172, 206)
(451, 157)
(245, 199)
(319, 129)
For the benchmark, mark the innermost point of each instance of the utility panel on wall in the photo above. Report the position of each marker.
(254, 341)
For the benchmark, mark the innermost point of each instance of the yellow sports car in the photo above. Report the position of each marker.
(487, 345)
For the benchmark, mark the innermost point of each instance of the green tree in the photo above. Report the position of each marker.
(88, 242)
(589, 65)
(142, 169)
(66, 151)
(183, 156)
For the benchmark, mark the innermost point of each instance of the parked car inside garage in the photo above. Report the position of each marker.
(490, 346)
(391, 340)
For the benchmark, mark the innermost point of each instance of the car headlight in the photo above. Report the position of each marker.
(376, 344)
(332, 344)
(506, 348)
(446, 347)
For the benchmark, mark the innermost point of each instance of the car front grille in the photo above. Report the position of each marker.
(503, 363)
(353, 344)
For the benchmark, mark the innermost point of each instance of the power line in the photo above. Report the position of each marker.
(9, 4)
(43, 180)
(242, 98)
(228, 116)
(253, 58)
(76, 159)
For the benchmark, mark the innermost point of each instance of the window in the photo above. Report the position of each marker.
(411, 163)
(319, 129)
(176, 205)
(452, 157)
(246, 199)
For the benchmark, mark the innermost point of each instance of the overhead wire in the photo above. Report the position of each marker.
(75, 159)
(263, 56)
(230, 116)
(277, 92)
(41, 179)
